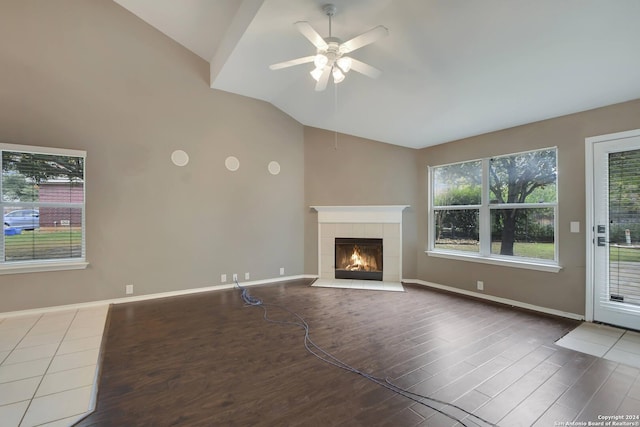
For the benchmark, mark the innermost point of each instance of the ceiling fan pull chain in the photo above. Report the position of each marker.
(335, 115)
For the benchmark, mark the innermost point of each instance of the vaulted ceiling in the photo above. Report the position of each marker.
(450, 68)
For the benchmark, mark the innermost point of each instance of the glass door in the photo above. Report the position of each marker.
(616, 296)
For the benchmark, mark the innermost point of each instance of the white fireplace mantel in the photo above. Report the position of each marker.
(360, 214)
(383, 222)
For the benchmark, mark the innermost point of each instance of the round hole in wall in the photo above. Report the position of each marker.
(179, 158)
(274, 168)
(232, 163)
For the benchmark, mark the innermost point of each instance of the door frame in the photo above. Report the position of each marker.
(590, 143)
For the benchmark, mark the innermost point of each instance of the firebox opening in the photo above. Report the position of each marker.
(358, 258)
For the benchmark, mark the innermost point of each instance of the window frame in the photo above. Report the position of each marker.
(31, 266)
(485, 208)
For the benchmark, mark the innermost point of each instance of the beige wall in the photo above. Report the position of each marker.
(88, 75)
(565, 290)
(356, 171)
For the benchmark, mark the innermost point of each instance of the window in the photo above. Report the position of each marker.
(43, 209)
(502, 208)
(457, 199)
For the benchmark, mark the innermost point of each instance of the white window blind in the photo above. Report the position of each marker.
(624, 227)
(43, 205)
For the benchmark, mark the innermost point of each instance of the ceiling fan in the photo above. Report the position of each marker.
(331, 56)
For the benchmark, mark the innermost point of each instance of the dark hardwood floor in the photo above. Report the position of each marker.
(209, 360)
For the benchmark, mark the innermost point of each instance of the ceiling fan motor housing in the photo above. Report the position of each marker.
(333, 50)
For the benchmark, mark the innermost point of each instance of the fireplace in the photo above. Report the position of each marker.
(358, 258)
(383, 223)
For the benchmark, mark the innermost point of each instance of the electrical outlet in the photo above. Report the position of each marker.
(235, 277)
(128, 289)
(282, 271)
(223, 278)
(246, 276)
(480, 285)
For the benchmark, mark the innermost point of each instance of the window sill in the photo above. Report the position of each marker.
(529, 265)
(31, 267)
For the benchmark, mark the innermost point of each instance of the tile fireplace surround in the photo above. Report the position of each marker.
(380, 222)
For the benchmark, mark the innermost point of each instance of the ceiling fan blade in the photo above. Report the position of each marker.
(365, 69)
(291, 62)
(323, 80)
(312, 35)
(364, 39)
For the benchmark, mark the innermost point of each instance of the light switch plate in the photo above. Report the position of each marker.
(575, 226)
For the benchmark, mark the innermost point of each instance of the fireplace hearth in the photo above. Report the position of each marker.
(358, 258)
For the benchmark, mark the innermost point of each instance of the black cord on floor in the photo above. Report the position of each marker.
(326, 357)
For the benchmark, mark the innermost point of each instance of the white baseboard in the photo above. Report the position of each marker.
(92, 304)
(497, 299)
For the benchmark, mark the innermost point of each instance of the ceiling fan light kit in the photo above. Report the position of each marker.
(316, 73)
(330, 59)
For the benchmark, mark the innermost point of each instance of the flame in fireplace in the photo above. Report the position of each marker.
(360, 262)
(356, 259)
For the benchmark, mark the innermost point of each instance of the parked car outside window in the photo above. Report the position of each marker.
(23, 219)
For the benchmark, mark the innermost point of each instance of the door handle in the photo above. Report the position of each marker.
(601, 241)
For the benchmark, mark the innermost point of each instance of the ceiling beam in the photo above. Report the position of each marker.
(243, 17)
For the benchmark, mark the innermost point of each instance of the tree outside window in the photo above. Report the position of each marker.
(457, 198)
(511, 212)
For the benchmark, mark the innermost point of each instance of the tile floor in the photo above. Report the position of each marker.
(48, 366)
(618, 345)
(371, 285)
